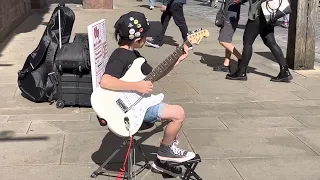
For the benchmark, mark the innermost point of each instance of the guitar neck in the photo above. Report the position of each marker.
(167, 63)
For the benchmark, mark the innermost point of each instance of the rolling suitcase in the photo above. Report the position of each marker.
(74, 90)
(74, 57)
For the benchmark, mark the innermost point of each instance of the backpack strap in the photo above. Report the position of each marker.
(52, 80)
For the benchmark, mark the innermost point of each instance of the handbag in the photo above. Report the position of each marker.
(220, 16)
(275, 9)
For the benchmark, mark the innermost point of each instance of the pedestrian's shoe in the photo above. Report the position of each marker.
(163, 167)
(222, 68)
(240, 74)
(173, 153)
(151, 7)
(152, 44)
(283, 76)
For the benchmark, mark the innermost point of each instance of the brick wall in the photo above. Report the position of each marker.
(12, 13)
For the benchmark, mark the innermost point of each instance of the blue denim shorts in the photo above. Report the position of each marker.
(154, 113)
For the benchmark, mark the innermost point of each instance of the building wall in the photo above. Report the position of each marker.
(12, 14)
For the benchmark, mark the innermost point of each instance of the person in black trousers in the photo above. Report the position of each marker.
(256, 25)
(171, 8)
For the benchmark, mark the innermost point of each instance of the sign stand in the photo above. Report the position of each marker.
(97, 36)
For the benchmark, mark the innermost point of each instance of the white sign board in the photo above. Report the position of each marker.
(97, 35)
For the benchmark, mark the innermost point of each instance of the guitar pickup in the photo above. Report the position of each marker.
(122, 106)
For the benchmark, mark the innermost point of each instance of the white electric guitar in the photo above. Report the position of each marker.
(124, 111)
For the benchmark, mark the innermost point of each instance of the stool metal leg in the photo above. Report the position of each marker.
(95, 173)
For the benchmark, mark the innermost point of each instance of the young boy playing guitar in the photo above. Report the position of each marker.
(131, 30)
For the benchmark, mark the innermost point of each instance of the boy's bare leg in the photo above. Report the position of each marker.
(176, 116)
(168, 150)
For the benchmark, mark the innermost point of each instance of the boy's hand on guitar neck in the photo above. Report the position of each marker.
(184, 55)
(163, 8)
(144, 87)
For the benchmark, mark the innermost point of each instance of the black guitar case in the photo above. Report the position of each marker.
(38, 79)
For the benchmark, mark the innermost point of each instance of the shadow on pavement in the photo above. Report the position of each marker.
(267, 55)
(170, 41)
(112, 142)
(29, 24)
(213, 61)
(10, 136)
(147, 6)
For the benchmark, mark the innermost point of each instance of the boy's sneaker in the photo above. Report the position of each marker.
(173, 153)
(163, 167)
(152, 44)
(151, 7)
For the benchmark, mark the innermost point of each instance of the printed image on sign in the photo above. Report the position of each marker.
(98, 48)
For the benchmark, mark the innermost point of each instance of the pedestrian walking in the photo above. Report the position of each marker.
(171, 8)
(231, 20)
(256, 25)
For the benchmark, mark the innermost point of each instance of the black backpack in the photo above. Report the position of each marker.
(38, 79)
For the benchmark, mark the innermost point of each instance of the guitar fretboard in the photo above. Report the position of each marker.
(167, 63)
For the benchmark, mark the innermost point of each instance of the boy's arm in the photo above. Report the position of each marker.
(111, 78)
(113, 83)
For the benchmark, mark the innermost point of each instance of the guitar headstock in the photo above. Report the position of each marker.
(196, 36)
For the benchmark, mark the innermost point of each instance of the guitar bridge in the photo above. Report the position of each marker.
(122, 106)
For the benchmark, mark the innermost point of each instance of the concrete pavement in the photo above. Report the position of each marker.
(249, 130)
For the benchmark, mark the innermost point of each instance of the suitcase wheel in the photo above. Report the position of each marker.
(60, 68)
(60, 104)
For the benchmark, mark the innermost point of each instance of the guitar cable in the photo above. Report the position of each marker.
(123, 169)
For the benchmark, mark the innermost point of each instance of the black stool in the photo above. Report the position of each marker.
(190, 167)
(129, 174)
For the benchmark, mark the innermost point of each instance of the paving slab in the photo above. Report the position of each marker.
(31, 149)
(258, 85)
(219, 86)
(52, 172)
(51, 117)
(4, 119)
(275, 112)
(307, 82)
(16, 127)
(203, 123)
(290, 103)
(7, 91)
(179, 87)
(207, 169)
(204, 110)
(288, 168)
(246, 143)
(270, 96)
(308, 136)
(313, 110)
(217, 98)
(174, 98)
(261, 122)
(309, 121)
(38, 110)
(310, 94)
(40, 127)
